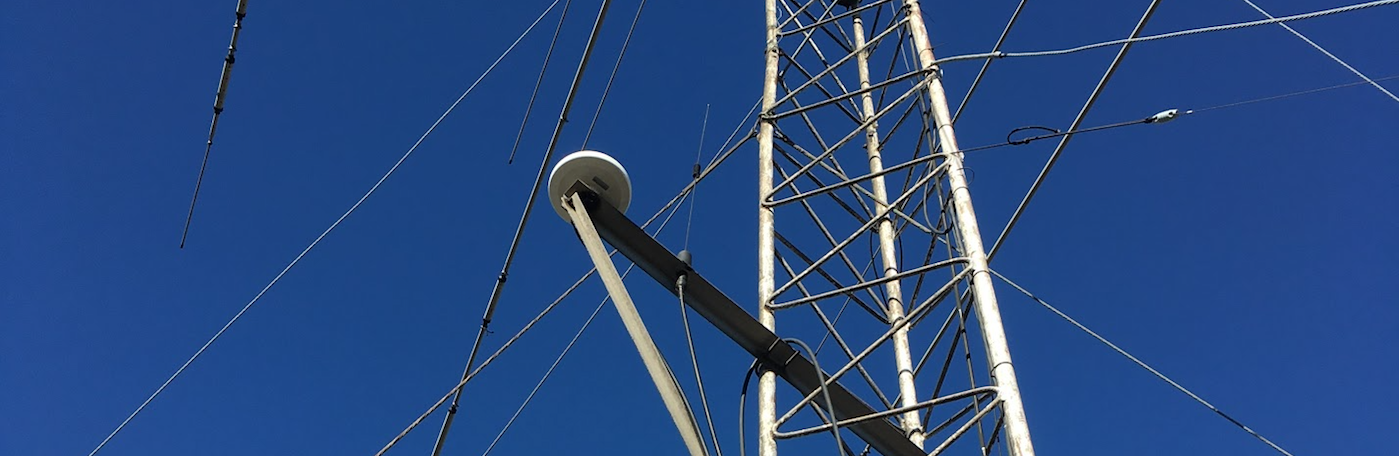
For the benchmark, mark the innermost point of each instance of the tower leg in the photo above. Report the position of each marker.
(888, 253)
(988, 314)
(767, 380)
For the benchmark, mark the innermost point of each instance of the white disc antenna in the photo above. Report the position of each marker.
(600, 172)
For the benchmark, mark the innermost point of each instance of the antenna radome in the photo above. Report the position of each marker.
(599, 171)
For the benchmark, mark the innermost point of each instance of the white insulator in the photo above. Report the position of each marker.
(1165, 116)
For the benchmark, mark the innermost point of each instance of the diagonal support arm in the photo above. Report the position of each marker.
(661, 374)
(734, 322)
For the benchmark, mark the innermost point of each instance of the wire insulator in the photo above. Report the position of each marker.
(1164, 116)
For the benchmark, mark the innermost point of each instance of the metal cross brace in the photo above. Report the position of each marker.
(721, 311)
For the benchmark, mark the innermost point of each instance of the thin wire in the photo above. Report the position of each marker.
(672, 206)
(1217, 28)
(1027, 128)
(694, 361)
(529, 107)
(608, 88)
(239, 13)
(549, 372)
(319, 238)
(1289, 95)
(695, 175)
(1324, 51)
(499, 286)
(1055, 134)
(719, 157)
(1078, 120)
(1066, 134)
(468, 377)
(987, 65)
(735, 131)
(1139, 362)
(565, 352)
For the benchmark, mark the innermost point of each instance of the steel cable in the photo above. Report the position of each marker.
(1324, 51)
(499, 286)
(719, 159)
(525, 329)
(539, 82)
(530, 397)
(672, 205)
(323, 234)
(608, 88)
(987, 65)
(1143, 365)
(673, 210)
(1078, 120)
(689, 220)
(1196, 31)
(1289, 95)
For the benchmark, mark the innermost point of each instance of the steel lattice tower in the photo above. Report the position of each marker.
(867, 238)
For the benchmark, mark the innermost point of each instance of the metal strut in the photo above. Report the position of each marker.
(833, 79)
(656, 365)
(988, 314)
(777, 356)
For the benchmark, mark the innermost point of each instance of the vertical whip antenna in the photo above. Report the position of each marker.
(240, 13)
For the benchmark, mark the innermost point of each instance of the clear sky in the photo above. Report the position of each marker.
(1248, 252)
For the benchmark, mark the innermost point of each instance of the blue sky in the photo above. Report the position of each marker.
(1247, 252)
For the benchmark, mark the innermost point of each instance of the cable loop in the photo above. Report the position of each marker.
(1027, 140)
